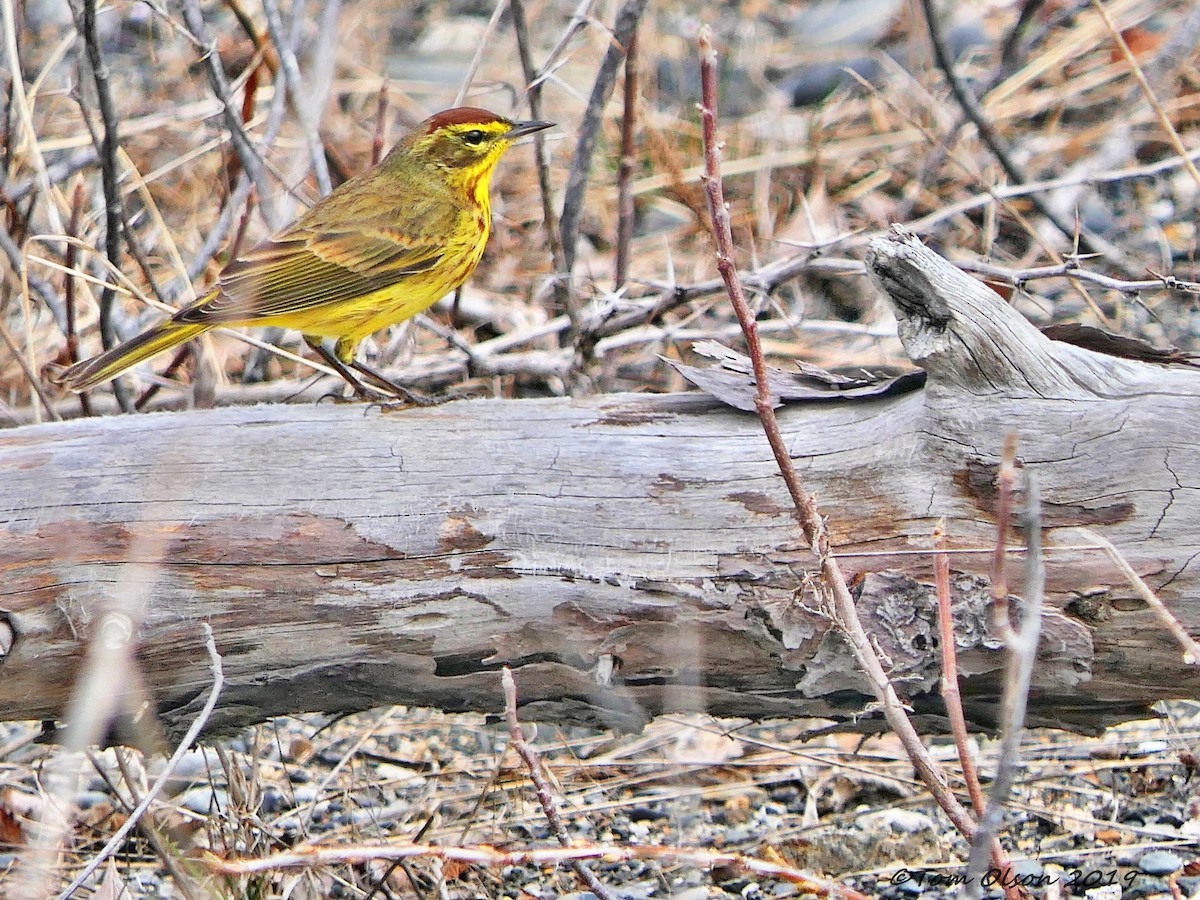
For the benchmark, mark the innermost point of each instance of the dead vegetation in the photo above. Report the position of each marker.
(1064, 185)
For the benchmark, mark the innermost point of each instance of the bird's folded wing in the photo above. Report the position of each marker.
(300, 271)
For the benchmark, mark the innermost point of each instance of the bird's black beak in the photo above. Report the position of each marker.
(520, 129)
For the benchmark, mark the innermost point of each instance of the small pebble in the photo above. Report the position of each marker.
(204, 800)
(89, 799)
(1160, 862)
(1146, 886)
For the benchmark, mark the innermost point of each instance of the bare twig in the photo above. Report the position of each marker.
(533, 83)
(812, 524)
(69, 288)
(251, 162)
(38, 285)
(485, 42)
(988, 135)
(56, 172)
(1022, 647)
(239, 196)
(23, 361)
(114, 843)
(1191, 649)
(533, 763)
(301, 103)
(180, 868)
(1006, 477)
(951, 695)
(85, 23)
(1071, 269)
(379, 136)
(628, 161)
(770, 276)
(132, 241)
(21, 102)
(627, 20)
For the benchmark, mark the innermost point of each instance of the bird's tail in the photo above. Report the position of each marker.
(111, 363)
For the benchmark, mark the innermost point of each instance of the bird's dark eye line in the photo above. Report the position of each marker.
(473, 137)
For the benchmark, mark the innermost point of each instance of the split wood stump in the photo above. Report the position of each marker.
(625, 554)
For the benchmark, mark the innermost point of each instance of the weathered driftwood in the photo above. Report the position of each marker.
(625, 554)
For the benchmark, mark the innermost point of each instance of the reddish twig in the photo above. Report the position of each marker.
(951, 695)
(541, 783)
(380, 135)
(1005, 477)
(177, 360)
(628, 161)
(840, 600)
(85, 403)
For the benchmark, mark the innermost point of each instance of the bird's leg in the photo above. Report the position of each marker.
(344, 350)
(362, 390)
(397, 390)
(342, 361)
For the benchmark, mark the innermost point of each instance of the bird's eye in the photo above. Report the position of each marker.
(473, 138)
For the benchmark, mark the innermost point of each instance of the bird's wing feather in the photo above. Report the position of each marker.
(302, 269)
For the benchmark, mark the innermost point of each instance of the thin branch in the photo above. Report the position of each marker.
(294, 83)
(85, 24)
(625, 210)
(533, 763)
(24, 113)
(242, 145)
(56, 172)
(1022, 647)
(951, 695)
(72, 334)
(1006, 477)
(114, 843)
(1009, 191)
(379, 135)
(132, 241)
(22, 361)
(37, 284)
(841, 601)
(1070, 268)
(534, 87)
(239, 196)
(485, 44)
(1191, 650)
(988, 135)
(627, 20)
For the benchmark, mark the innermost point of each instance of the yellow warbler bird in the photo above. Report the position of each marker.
(381, 248)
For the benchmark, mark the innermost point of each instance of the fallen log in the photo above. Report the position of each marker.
(624, 554)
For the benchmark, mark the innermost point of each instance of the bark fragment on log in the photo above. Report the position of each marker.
(626, 554)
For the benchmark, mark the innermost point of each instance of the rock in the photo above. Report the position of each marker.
(1160, 862)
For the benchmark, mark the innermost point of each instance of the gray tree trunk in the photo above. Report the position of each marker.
(625, 554)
